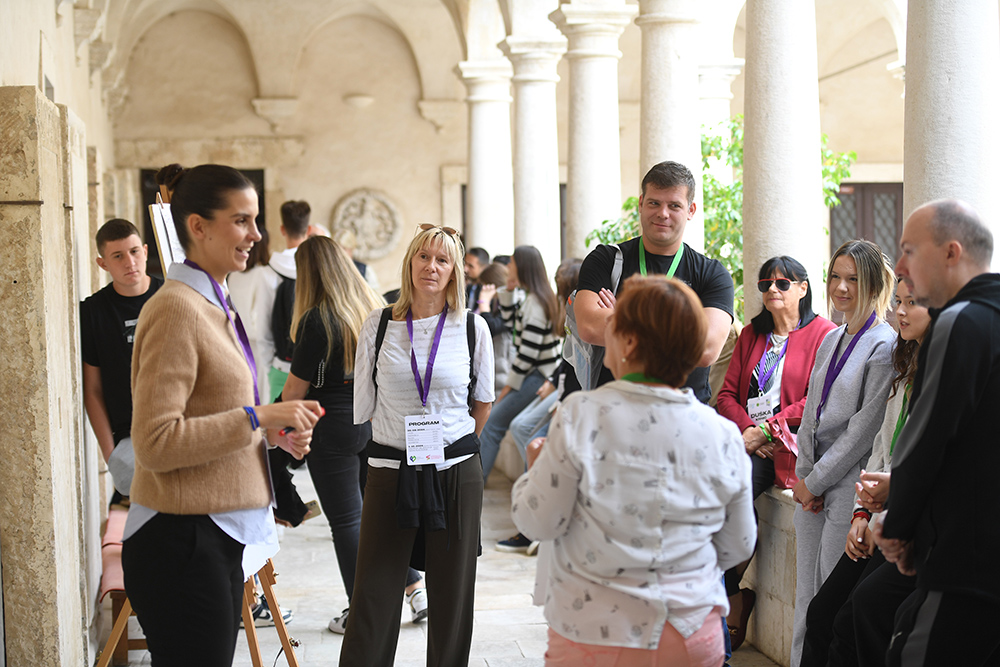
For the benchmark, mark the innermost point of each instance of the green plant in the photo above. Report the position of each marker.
(722, 202)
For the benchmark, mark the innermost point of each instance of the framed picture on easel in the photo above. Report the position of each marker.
(168, 244)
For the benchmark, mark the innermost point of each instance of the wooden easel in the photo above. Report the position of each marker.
(267, 581)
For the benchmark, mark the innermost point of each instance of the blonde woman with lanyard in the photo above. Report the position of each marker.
(201, 495)
(844, 409)
(424, 376)
(830, 637)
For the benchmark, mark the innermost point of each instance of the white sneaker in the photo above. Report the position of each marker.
(338, 624)
(418, 604)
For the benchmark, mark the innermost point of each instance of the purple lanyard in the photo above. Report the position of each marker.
(836, 366)
(241, 333)
(423, 389)
(763, 372)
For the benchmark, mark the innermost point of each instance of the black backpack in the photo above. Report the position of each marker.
(470, 331)
(281, 319)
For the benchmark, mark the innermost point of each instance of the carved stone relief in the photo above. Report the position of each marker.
(373, 218)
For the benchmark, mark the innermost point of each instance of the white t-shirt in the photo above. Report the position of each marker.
(397, 395)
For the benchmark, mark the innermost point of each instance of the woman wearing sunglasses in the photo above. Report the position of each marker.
(844, 409)
(423, 374)
(767, 380)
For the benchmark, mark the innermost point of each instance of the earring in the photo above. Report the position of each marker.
(624, 360)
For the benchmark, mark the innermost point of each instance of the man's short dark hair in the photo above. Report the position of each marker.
(669, 175)
(480, 254)
(295, 218)
(115, 229)
(956, 220)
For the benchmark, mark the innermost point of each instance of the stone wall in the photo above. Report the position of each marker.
(771, 575)
(40, 410)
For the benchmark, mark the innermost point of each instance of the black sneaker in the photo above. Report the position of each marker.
(517, 544)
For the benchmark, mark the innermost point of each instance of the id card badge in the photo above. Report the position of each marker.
(424, 440)
(760, 408)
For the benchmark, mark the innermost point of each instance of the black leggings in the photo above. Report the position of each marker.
(184, 577)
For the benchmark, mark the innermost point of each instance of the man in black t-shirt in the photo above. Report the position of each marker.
(665, 206)
(107, 329)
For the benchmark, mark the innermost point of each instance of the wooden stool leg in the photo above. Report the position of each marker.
(251, 629)
(121, 622)
(267, 582)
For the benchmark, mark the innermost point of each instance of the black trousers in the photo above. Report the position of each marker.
(373, 629)
(184, 577)
(762, 479)
(945, 628)
(864, 626)
(825, 624)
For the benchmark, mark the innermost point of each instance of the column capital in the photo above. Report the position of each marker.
(486, 80)
(667, 11)
(715, 79)
(534, 58)
(575, 19)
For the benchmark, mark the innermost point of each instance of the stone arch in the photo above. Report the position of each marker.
(358, 9)
(214, 103)
(129, 20)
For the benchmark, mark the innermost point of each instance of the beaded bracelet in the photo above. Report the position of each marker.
(863, 513)
(254, 422)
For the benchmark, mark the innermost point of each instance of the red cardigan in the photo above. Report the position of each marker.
(799, 360)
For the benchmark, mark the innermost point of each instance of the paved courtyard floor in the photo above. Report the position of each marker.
(509, 630)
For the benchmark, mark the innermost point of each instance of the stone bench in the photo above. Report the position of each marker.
(771, 575)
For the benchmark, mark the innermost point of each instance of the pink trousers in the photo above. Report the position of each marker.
(705, 648)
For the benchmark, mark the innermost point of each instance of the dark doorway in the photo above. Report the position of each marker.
(872, 211)
(147, 181)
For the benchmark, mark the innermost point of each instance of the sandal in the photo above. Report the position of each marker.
(738, 633)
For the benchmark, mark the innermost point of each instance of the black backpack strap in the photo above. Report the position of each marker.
(470, 331)
(383, 324)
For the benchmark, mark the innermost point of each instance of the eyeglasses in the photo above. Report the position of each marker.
(428, 226)
(783, 284)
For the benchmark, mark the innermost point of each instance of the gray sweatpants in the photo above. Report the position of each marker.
(819, 542)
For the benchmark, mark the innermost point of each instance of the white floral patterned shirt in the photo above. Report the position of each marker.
(645, 493)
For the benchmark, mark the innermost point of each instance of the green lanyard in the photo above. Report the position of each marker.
(901, 419)
(673, 265)
(640, 377)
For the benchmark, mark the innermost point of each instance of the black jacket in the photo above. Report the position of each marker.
(943, 495)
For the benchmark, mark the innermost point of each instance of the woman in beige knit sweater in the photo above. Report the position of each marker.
(201, 492)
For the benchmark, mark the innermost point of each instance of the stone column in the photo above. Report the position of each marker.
(594, 167)
(40, 408)
(489, 196)
(536, 145)
(670, 127)
(951, 140)
(715, 81)
(783, 209)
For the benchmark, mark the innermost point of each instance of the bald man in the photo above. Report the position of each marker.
(943, 518)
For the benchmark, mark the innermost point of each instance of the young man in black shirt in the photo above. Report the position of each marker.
(107, 328)
(665, 206)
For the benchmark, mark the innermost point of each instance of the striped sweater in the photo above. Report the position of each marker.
(534, 346)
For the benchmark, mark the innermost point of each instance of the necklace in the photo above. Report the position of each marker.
(426, 324)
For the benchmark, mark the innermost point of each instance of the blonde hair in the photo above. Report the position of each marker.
(876, 280)
(329, 282)
(456, 252)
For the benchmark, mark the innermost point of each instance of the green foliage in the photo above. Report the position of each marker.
(722, 203)
(621, 229)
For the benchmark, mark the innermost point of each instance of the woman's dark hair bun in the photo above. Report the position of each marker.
(170, 175)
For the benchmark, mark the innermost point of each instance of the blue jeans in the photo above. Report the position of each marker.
(523, 426)
(502, 415)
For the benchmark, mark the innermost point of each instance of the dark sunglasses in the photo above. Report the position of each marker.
(783, 284)
(447, 230)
